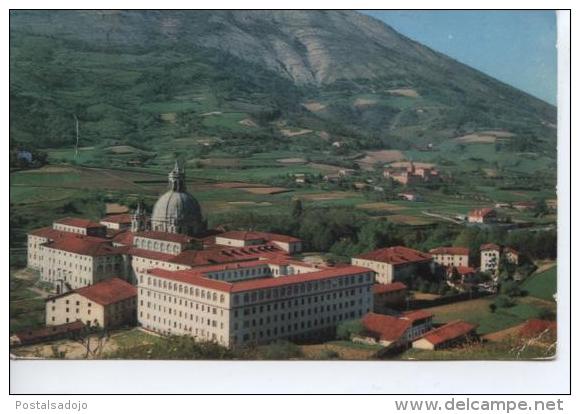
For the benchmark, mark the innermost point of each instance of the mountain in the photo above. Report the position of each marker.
(138, 76)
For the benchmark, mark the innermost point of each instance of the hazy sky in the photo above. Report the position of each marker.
(516, 47)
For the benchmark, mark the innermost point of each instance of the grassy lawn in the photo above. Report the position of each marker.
(477, 311)
(133, 337)
(354, 345)
(31, 195)
(487, 351)
(542, 285)
(26, 306)
(87, 154)
(345, 349)
(249, 174)
(228, 120)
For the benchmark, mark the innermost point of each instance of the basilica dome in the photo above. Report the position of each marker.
(177, 211)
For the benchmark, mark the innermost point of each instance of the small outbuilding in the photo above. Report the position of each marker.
(47, 333)
(446, 336)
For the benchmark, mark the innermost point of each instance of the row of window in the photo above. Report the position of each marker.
(164, 247)
(177, 287)
(298, 314)
(169, 310)
(66, 275)
(296, 328)
(240, 273)
(302, 301)
(301, 288)
(195, 332)
(175, 323)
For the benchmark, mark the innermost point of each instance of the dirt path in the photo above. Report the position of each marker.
(69, 348)
(542, 267)
(504, 334)
(348, 353)
(442, 217)
(25, 274)
(42, 293)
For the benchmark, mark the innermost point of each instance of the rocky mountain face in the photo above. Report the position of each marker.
(329, 56)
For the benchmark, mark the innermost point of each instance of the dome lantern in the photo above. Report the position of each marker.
(177, 211)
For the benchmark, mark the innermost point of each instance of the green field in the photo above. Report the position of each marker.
(542, 285)
(478, 312)
(26, 306)
(479, 352)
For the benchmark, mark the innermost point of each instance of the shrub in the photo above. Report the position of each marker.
(175, 347)
(510, 288)
(281, 350)
(346, 329)
(546, 314)
(328, 354)
(504, 301)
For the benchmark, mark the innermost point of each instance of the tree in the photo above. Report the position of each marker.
(345, 330)
(176, 347)
(280, 350)
(503, 301)
(506, 270)
(455, 276)
(424, 286)
(541, 208)
(443, 288)
(510, 288)
(546, 314)
(327, 354)
(93, 340)
(433, 288)
(297, 208)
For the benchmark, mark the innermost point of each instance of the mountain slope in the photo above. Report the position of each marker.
(334, 71)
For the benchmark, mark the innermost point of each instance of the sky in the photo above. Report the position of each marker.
(516, 47)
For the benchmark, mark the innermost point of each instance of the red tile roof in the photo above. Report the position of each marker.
(385, 327)
(379, 288)
(416, 315)
(464, 270)
(86, 246)
(396, 255)
(489, 246)
(459, 251)
(511, 250)
(225, 255)
(536, 327)
(108, 291)
(47, 332)
(481, 212)
(196, 277)
(49, 233)
(527, 204)
(170, 237)
(117, 218)
(78, 222)
(347, 270)
(231, 266)
(124, 237)
(192, 277)
(258, 235)
(448, 332)
(149, 254)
